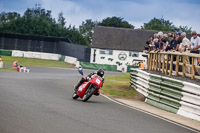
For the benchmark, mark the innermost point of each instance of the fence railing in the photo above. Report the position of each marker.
(174, 63)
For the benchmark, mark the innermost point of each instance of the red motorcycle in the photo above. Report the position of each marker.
(88, 88)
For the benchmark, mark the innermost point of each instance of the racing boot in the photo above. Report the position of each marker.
(79, 84)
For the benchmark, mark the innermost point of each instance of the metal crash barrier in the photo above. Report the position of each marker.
(169, 94)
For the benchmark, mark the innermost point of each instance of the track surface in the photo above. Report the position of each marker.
(40, 102)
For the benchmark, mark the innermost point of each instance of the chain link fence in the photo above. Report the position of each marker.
(44, 44)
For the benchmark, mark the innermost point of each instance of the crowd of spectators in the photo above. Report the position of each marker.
(174, 42)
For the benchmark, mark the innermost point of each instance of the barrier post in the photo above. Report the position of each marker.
(183, 66)
(167, 62)
(171, 65)
(193, 71)
(177, 64)
(154, 56)
(159, 68)
(156, 61)
(150, 62)
(163, 63)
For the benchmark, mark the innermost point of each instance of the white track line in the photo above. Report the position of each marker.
(123, 104)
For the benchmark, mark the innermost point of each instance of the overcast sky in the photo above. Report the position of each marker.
(136, 12)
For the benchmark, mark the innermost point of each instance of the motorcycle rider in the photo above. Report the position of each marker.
(99, 72)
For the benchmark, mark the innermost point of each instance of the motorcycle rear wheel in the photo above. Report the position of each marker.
(88, 94)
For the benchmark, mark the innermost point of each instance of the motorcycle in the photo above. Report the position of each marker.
(88, 88)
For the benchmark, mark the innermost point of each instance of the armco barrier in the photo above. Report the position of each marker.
(5, 52)
(172, 95)
(38, 55)
(70, 60)
(98, 66)
(17, 53)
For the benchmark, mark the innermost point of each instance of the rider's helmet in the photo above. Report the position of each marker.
(100, 72)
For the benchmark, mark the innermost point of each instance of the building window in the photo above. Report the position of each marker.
(107, 52)
(134, 54)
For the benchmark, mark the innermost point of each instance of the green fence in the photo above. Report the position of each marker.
(129, 68)
(98, 66)
(5, 52)
(62, 58)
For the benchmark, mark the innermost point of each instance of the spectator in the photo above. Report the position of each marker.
(163, 44)
(195, 43)
(165, 36)
(141, 65)
(194, 48)
(155, 38)
(185, 43)
(159, 44)
(179, 39)
(173, 42)
(160, 34)
(172, 47)
(147, 47)
(1, 62)
(15, 63)
(169, 34)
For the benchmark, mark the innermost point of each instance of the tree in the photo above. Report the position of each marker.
(87, 29)
(185, 29)
(74, 35)
(61, 19)
(159, 24)
(7, 17)
(115, 22)
(164, 25)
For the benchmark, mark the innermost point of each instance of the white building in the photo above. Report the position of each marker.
(120, 58)
(119, 46)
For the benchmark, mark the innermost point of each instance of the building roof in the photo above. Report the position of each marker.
(120, 38)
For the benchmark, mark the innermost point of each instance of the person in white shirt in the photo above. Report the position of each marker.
(194, 48)
(195, 41)
(185, 43)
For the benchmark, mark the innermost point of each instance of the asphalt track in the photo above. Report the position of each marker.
(40, 102)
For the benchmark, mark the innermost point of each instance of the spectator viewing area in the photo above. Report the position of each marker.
(174, 54)
(163, 62)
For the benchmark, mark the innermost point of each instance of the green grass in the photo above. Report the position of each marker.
(34, 62)
(8, 69)
(118, 86)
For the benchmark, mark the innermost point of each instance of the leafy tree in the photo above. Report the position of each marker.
(7, 17)
(38, 21)
(61, 19)
(75, 36)
(159, 24)
(39, 12)
(115, 22)
(87, 29)
(164, 25)
(185, 29)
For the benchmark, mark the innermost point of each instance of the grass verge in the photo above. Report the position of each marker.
(8, 69)
(8, 60)
(118, 86)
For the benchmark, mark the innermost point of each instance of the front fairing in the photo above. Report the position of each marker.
(97, 82)
(82, 89)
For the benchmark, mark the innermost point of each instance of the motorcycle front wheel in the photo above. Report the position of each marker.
(89, 92)
(74, 96)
